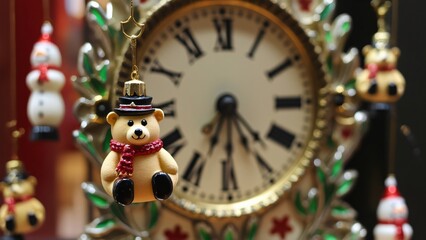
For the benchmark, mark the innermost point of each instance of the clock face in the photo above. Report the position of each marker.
(239, 84)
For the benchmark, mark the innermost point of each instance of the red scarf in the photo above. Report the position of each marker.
(374, 68)
(43, 72)
(12, 201)
(399, 224)
(128, 152)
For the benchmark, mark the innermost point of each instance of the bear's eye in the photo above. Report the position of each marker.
(130, 123)
(144, 122)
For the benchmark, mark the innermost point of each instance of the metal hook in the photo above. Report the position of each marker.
(16, 134)
(135, 73)
(381, 7)
(132, 19)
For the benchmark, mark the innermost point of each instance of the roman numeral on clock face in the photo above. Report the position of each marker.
(175, 77)
(288, 62)
(259, 38)
(265, 169)
(173, 142)
(281, 136)
(229, 180)
(187, 40)
(224, 34)
(194, 170)
(288, 102)
(167, 107)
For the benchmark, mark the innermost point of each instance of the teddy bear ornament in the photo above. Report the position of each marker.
(380, 81)
(21, 212)
(138, 168)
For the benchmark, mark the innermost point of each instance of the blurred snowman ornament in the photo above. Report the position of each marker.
(392, 215)
(45, 107)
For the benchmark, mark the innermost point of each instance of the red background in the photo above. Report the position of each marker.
(37, 156)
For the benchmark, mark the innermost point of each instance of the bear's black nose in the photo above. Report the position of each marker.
(138, 132)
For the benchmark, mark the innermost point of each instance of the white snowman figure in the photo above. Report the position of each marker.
(45, 107)
(392, 215)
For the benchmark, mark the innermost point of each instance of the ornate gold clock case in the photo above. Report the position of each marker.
(245, 96)
(240, 85)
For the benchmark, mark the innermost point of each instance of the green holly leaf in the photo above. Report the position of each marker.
(88, 64)
(229, 235)
(84, 141)
(346, 26)
(330, 66)
(106, 223)
(103, 72)
(98, 15)
(327, 11)
(98, 86)
(96, 196)
(154, 214)
(330, 142)
(339, 210)
(313, 205)
(321, 176)
(346, 183)
(204, 235)
(252, 231)
(350, 84)
(344, 187)
(98, 201)
(107, 140)
(299, 204)
(117, 210)
(329, 236)
(337, 168)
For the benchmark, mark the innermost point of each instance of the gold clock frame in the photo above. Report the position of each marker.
(281, 18)
(321, 212)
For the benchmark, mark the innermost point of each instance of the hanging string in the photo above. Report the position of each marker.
(13, 59)
(46, 10)
(395, 16)
(16, 133)
(393, 122)
(133, 40)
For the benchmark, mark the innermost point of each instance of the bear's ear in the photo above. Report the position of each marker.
(112, 118)
(158, 114)
(396, 51)
(367, 49)
(32, 180)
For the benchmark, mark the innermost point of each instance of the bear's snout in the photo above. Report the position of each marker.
(138, 132)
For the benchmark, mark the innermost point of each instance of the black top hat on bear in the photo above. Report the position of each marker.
(134, 102)
(15, 172)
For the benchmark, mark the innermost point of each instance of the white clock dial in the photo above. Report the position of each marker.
(240, 95)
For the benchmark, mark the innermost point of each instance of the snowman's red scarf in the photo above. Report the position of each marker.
(128, 152)
(43, 68)
(399, 224)
(12, 201)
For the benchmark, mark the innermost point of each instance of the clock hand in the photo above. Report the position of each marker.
(228, 146)
(254, 134)
(208, 127)
(243, 138)
(226, 106)
(214, 139)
